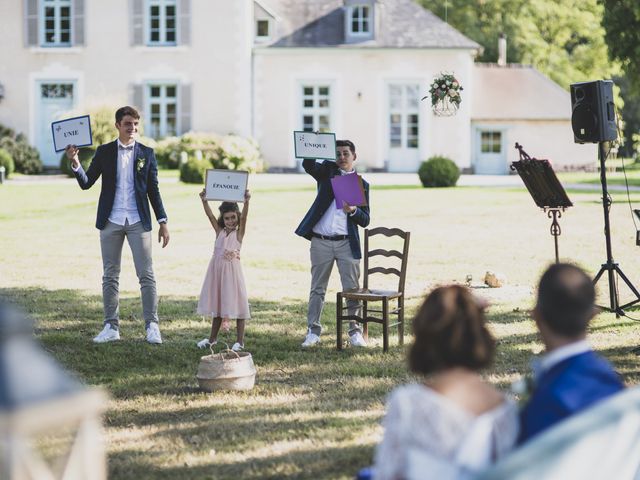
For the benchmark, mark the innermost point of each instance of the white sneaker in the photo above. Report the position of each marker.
(108, 334)
(310, 340)
(153, 333)
(357, 340)
(237, 347)
(205, 343)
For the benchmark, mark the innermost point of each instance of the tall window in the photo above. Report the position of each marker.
(491, 142)
(316, 108)
(162, 22)
(403, 116)
(162, 101)
(360, 19)
(56, 27)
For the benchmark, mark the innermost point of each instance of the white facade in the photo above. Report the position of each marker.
(360, 86)
(202, 78)
(216, 66)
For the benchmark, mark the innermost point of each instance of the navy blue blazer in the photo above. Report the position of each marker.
(323, 173)
(145, 174)
(567, 388)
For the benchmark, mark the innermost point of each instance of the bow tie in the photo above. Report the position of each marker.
(122, 147)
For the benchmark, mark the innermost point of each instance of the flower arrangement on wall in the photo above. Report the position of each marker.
(445, 95)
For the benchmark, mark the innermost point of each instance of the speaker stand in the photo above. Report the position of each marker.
(610, 267)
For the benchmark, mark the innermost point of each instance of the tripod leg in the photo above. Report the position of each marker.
(631, 287)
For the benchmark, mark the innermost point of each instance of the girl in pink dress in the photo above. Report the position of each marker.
(224, 295)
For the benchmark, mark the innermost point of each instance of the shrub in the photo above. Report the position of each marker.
(439, 172)
(193, 168)
(202, 145)
(6, 161)
(168, 152)
(26, 158)
(239, 153)
(85, 154)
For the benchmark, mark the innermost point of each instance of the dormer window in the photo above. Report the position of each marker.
(262, 29)
(360, 20)
(265, 23)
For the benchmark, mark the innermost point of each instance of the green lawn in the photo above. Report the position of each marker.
(312, 414)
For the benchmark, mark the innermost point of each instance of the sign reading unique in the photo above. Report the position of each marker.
(315, 145)
(225, 185)
(72, 131)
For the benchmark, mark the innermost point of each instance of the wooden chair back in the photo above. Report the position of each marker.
(403, 256)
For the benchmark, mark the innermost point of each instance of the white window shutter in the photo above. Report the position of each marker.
(31, 23)
(137, 22)
(137, 97)
(78, 22)
(185, 22)
(185, 108)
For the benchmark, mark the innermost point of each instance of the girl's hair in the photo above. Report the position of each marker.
(450, 331)
(226, 207)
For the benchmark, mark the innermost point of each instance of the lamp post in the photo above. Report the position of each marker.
(37, 397)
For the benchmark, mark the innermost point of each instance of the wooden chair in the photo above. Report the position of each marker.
(367, 295)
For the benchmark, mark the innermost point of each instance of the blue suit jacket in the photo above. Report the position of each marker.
(105, 163)
(567, 388)
(323, 173)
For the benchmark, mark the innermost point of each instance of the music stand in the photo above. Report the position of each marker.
(545, 189)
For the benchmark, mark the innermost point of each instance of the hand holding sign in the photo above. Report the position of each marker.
(72, 154)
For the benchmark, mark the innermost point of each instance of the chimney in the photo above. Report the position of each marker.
(502, 50)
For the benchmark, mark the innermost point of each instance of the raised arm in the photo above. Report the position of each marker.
(209, 212)
(243, 216)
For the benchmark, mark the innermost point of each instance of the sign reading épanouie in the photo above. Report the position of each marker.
(225, 185)
(71, 131)
(315, 145)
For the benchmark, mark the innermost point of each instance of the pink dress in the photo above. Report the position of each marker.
(223, 292)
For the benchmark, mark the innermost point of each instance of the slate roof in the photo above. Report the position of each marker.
(516, 92)
(402, 24)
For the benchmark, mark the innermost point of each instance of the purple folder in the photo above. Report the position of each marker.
(348, 188)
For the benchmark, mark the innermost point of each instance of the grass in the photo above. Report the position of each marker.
(311, 414)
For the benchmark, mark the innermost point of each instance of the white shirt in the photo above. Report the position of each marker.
(334, 220)
(124, 204)
(425, 433)
(549, 360)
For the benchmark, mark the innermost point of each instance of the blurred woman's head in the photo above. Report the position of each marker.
(450, 331)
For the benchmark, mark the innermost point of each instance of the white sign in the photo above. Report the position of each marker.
(315, 145)
(226, 185)
(72, 131)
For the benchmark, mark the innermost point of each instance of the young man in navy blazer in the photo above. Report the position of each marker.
(569, 377)
(334, 238)
(129, 182)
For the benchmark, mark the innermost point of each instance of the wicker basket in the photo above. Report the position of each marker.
(226, 370)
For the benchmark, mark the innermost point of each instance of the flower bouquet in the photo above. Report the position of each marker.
(445, 95)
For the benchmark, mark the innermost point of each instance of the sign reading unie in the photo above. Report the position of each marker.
(315, 145)
(225, 185)
(72, 131)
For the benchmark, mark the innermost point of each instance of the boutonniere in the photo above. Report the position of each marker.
(140, 164)
(522, 388)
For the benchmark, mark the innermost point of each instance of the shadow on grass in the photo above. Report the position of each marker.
(300, 464)
(305, 402)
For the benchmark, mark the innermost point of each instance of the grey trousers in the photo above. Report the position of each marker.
(323, 254)
(111, 241)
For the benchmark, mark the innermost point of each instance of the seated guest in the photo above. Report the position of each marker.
(452, 423)
(569, 377)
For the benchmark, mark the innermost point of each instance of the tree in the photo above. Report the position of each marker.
(621, 21)
(564, 40)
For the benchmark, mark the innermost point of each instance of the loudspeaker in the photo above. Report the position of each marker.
(593, 118)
